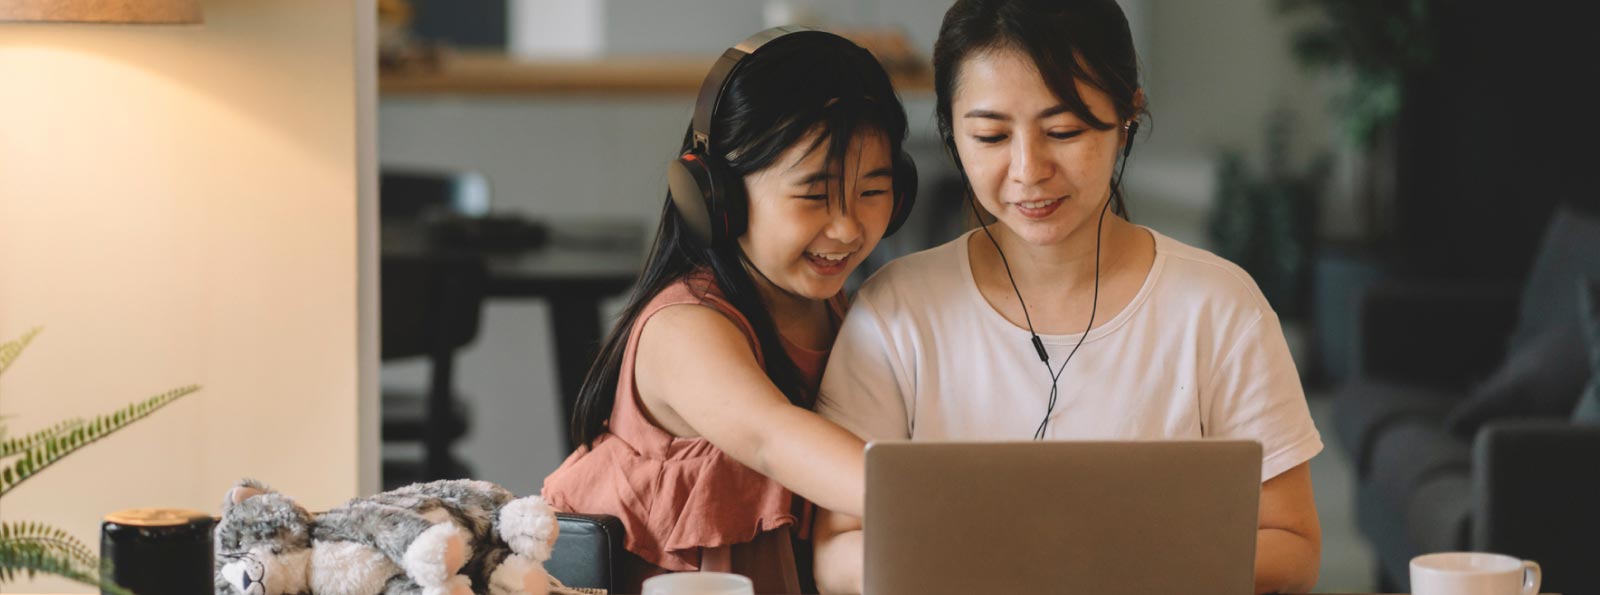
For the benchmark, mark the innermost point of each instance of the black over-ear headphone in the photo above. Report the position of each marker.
(708, 194)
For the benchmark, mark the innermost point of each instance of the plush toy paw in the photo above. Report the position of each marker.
(349, 568)
(518, 575)
(455, 585)
(529, 527)
(437, 555)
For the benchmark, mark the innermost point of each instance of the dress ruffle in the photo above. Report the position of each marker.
(696, 497)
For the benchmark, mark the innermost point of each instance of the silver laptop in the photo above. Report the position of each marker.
(1107, 518)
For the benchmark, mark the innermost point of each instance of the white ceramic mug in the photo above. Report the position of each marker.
(1473, 573)
(698, 583)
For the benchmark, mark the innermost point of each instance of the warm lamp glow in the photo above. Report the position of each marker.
(175, 12)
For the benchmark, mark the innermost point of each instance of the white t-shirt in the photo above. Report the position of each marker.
(1198, 353)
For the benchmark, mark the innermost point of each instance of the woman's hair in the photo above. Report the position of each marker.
(792, 86)
(1068, 40)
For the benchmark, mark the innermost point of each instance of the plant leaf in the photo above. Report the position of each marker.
(10, 351)
(48, 538)
(31, 558)
(23, 444)
(58, 447)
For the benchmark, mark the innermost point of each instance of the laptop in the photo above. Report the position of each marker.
(1107, 518)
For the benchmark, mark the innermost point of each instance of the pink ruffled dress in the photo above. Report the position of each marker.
(686, 505)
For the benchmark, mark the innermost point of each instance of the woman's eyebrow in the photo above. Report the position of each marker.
(994, 115)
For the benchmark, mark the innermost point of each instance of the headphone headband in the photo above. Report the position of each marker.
(716, 82)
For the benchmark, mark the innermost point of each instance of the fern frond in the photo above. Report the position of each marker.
(19, 445)
(50, 539)
(10, 351)
(53, 449)
(30, 559)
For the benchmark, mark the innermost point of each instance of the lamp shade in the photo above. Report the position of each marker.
(101, 11)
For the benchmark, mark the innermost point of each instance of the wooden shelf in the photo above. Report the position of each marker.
(497, 74)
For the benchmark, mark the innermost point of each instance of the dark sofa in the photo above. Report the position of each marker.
(1471, 416)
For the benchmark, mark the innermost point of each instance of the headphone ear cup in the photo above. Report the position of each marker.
(690, 184)
(708, 196)
(905, 192)
(729, 209)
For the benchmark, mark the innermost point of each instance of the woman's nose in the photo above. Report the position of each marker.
(1030, 163)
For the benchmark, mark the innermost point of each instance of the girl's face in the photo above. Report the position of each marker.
(811, 224)
(1035, 166)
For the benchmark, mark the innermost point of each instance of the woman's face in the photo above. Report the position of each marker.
(811, 224)
(1035, 166)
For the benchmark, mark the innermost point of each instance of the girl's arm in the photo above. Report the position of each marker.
(838, 552)
(697, 376)
(1289, 539)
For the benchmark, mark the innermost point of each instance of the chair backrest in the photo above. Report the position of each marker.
(588, 552)
(431, 303)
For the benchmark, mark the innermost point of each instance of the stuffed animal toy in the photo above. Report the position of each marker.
(453, 537)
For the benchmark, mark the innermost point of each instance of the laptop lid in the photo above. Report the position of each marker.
(1106, 518)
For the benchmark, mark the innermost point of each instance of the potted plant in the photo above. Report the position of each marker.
(28, 548)
(1374, 47)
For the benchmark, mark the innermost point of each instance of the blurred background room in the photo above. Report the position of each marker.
(1372, 163)
(417, 218)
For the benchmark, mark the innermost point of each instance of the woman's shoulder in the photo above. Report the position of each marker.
(918, 277)
(1197, 277)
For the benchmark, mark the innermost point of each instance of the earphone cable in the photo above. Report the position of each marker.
(1094, 305)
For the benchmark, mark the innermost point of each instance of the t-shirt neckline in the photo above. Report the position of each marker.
(993, 316)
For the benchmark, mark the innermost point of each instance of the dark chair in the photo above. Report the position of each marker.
(588, 552)
(431, 308)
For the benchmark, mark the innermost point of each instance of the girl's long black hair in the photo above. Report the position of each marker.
(779, 95)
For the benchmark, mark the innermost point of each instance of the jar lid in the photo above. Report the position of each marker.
(156, 517)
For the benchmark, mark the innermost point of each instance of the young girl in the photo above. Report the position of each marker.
(696, 419)
(1140, 336)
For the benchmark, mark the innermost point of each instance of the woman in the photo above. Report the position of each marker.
(696, 419)
(1141, 336)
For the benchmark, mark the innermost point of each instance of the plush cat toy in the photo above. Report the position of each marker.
(453, 537)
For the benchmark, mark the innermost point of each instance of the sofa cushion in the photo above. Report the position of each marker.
(1363, 410)
(1543, 378)
(1544, 372)
(1415, 464)
(1438, 519)
(1588, 409)
(1569, 251)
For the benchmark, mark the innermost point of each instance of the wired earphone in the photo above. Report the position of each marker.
(1131, 128)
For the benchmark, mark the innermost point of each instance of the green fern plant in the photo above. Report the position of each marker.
(29, 549)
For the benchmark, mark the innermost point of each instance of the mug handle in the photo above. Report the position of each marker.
(1531, 577)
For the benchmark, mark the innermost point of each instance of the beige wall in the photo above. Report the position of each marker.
(180, 205)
